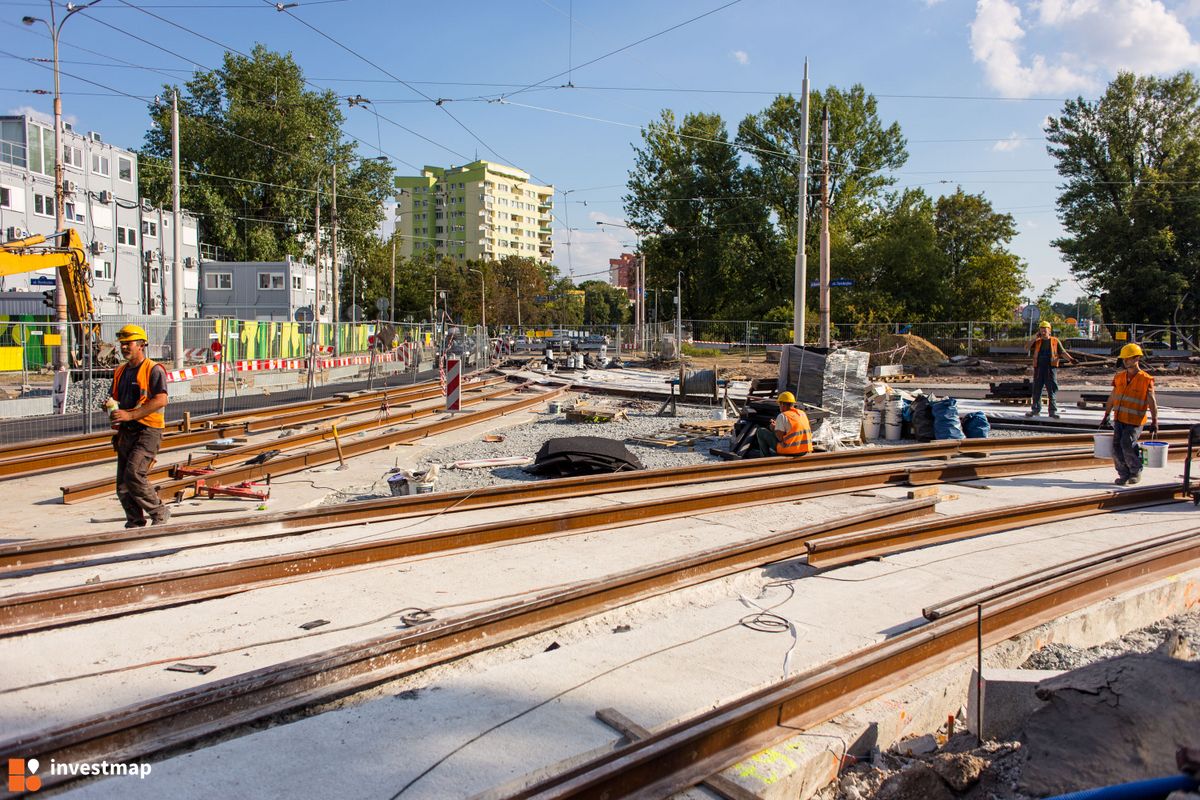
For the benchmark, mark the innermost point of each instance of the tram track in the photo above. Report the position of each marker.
(95, 450)
(140, 730)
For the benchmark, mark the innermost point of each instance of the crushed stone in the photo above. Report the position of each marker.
(1144, 640)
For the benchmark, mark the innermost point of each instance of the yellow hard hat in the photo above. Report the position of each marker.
(1130, 350)
(1045, 324)
(787, 397)
(132, 332)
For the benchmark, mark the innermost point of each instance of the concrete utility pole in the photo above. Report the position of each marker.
(392, 297)
(317, 256)
(800, 291)
(177, 238)
(825, 228)
(641, 290)
(337, 294)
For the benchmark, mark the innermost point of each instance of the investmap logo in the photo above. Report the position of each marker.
(23, 777)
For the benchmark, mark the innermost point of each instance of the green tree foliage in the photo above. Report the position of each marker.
(1131, 164)
(254, 146)
(981, 279)
(604, 304)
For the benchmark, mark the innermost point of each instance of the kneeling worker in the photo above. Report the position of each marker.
(139, 392)
(790, 433)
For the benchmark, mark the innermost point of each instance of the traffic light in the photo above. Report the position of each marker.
(48, 298)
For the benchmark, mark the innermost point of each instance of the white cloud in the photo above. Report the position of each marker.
(932, 3)
(38, 114)
(1090, 40)
(591, 246)
(741, 56)
(1005, 145)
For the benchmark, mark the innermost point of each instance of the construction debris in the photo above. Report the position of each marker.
(582, 455)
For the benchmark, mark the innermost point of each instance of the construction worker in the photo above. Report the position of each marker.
(138, 396)
(1046, 350)
(1132, 395)
(790, 433)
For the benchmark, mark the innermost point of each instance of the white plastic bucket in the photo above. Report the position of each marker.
(554, 407)
(872, 423)
(893, 412)
(891, 430)
(1102, 444)
(1154, 454)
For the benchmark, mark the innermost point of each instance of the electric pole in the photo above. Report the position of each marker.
(333, 245)
(800, 291)
(825, 228)
(177, 239)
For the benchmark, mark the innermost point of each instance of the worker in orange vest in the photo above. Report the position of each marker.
(790, 433)
(1047, 351)
(1132, 395)
(135, 406)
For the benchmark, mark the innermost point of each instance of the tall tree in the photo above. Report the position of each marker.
(982, 279)
(1131, 164)
(254, 146)
(688, 194)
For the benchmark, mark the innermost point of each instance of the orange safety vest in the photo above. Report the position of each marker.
(798, 439)
(1131, 397)
(1054, 345)
(154, 420)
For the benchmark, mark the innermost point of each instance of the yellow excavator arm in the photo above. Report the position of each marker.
(68, 256)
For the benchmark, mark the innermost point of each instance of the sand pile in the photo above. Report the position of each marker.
(903, 348)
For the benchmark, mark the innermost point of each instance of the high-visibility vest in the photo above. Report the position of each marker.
(1054, 345)
(798, 439)
(154, 420)
(1131, 397)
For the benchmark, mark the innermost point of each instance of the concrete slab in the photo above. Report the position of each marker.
(1008, 699)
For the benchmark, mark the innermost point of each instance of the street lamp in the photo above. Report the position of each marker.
(482, 299)
(60, 293)
(640, 282)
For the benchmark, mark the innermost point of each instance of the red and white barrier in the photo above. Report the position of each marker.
(453, 384)
(175, 376)
(402, 353)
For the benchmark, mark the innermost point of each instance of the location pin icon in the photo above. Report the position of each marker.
(33, 765)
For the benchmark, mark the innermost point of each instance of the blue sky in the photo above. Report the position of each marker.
(969, 82)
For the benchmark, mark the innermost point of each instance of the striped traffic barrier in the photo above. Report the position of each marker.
(453, 379)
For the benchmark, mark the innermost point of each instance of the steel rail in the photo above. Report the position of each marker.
(137, 731)
(31, 554)
(681, 755)
(144, 728)
(20, 613)
(225, 462)
(271, 419)
(830, 551)
(228, 419)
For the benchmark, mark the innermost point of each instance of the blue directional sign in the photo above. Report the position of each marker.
(842, 282)
(42, 280)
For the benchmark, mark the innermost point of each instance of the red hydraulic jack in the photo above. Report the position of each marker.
(246, 490)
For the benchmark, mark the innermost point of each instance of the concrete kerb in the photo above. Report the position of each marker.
(798, 767)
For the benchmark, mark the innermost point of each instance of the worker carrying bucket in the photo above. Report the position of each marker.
(1132, 395)
(790, 433)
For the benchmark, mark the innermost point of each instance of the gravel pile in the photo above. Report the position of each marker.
(100, 389)
(1145, 640)
(526, 440)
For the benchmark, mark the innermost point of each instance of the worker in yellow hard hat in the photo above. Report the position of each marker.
(790, 433)
(1047, 351)
(1132, 395)
(135, 406)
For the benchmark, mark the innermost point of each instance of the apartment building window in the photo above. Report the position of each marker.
(218, 280)
(71, 213)
(155, 274)
(298, 282)
(100, 164)
(150, 229)
(73, 156)
(5, 197)
(126, 236)
(270, 280)
(125, 169)
(103, 270)
(43, 205)
(41, 149)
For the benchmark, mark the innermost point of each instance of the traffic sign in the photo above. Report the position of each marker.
(838, 282)
(43, 280)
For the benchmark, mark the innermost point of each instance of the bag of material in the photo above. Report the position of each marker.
(976, 426)
(922, 419)
(945, 419)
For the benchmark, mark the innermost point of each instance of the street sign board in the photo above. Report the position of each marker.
(43, 280)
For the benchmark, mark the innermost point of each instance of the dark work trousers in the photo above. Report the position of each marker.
(1047, 378)
(765, 437)
(136, 451)
(1127, 456)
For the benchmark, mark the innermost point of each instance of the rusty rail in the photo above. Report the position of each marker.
(267, 420)
(230, 462)
(682, 755)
